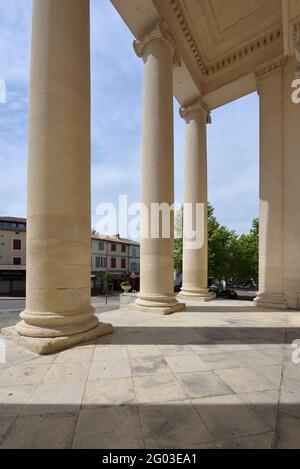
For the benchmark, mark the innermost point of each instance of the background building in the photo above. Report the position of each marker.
(12, 255)
(119, 256)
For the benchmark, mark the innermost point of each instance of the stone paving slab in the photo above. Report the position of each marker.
(218, 375)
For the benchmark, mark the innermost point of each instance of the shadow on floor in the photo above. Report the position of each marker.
(201, 335)
(212, 308)
(202, 423)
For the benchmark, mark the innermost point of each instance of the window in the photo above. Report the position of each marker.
(113, 263)
(123, 263)
(101, 262)
(113, 247)
(17, 244)
(123, 248)
(101, 246)
(17, 260)
(133, 252)
(133, 267)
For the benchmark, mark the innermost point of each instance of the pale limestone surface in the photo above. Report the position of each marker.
(270, 88)
(58, 312)
(157, 167)
(195, 261)
(218, 375)
(225, 54)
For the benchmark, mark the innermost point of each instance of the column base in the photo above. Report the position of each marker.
(197, 295)
(159, 304)
(271, 301)
(48, 345)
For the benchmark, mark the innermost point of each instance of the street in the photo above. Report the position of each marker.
(19, 303)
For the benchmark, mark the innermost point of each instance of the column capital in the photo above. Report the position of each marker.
(158, 32)
(197, 106)
(273, 66)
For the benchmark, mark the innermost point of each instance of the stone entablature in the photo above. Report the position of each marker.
(268, 68)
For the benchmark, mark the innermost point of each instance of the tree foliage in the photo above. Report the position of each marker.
(230, 257)
(178, 242)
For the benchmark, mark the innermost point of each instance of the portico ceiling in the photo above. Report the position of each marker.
(221, 42)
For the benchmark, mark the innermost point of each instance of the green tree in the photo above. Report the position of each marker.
(178, 241)
(222, 248)
(107, 277)
(230, 257)
(247, 266)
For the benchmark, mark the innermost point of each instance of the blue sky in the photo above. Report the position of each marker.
(116, 123)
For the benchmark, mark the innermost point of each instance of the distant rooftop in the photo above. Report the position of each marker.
(114, 239)
(12, 223)
(13, 219)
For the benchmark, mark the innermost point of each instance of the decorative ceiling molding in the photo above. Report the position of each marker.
(296, 37)
(209, 70)
(185, 28)
(161, 32)
(270, 67)
(296, 43)
(249, 49)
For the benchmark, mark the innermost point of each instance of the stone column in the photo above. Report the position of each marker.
(270, 86)
(58, 311)
(157, 184)
(195, 262)
(291, 185)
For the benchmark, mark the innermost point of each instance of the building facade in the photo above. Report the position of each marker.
(12, 255)
(206, 53)
(115, 254)
(119, 256)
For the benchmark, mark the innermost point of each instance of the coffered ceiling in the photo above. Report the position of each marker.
(220, 41)
(223, 26)
(225, 38)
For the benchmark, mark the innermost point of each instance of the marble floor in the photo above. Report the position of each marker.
(218, 375)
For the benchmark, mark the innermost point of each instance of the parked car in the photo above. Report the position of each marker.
(222, 292)
(177, 284)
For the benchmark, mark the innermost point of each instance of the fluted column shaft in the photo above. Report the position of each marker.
(195, 262)
(58, 311)
(157, 179)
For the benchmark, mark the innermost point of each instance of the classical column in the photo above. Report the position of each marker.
(58, 311)
(157, 184)
(291, 186)
(270, 90)
(194, 274)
